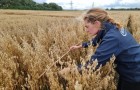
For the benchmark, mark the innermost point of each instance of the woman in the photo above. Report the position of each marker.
(113, 39)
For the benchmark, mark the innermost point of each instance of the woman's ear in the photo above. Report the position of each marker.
(98, 24)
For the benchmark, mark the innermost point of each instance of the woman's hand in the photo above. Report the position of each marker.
(75, 47)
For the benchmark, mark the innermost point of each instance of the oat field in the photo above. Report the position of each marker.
(32, 44)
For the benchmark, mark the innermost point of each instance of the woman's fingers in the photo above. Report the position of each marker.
(74, 47)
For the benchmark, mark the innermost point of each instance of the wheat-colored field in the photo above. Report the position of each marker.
(32, 41)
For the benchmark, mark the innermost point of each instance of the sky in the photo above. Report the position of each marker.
(86, 4)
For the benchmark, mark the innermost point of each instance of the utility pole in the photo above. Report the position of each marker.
(71, 4)
(93, 5)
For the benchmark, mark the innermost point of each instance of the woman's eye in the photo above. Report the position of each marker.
(86, 27)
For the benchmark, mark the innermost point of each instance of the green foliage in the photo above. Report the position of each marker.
(28, 4)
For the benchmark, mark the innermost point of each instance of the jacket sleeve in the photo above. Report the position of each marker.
(93, 42)
(108, 46)
(86, 44)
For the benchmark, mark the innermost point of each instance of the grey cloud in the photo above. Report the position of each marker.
(125, 5)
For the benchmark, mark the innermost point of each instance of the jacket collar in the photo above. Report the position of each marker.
(106, 27)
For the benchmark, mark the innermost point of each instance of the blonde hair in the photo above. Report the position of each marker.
(101, 15)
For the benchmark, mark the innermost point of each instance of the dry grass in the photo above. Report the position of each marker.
(31, 41)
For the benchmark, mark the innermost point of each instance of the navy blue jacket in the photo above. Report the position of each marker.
(122, 44)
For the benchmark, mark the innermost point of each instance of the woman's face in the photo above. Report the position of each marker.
(92, 28)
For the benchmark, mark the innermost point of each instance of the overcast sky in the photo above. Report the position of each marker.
(86, 4)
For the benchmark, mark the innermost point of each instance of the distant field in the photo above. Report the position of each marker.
(31, 41)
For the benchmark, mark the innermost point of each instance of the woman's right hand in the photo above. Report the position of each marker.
(75, 47)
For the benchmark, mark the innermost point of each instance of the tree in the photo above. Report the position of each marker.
(54, 6)
(28, 4)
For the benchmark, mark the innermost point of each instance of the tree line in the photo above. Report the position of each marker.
(123, 9)
(28, 5)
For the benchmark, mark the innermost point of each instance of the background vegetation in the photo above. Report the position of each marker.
(28, 5)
